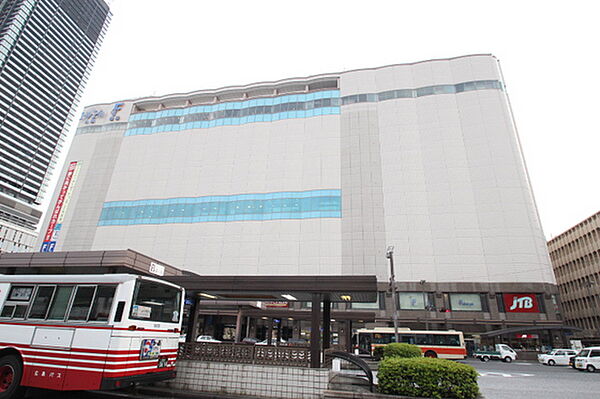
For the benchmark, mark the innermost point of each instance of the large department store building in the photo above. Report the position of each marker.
(318, 176)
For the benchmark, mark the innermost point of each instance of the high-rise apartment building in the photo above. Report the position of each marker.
(317, 176)
(47, 48)
(575, 256)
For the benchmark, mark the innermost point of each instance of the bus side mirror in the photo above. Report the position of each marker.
(119, 312)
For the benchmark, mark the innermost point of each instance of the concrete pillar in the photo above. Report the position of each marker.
(348, 335)
(326, 324)
(238, 325)
(315, 332)
(193, 319)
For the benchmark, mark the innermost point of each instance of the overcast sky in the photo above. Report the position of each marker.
(548, 51)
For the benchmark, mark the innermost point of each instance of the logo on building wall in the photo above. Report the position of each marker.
(521, 303)
(90, 117)
(115, 110)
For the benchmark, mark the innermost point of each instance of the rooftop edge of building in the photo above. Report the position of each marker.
(271, 84)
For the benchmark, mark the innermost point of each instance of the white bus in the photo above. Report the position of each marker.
(443, 344)
(86, 332)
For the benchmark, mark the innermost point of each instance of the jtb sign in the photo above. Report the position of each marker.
(521, 303)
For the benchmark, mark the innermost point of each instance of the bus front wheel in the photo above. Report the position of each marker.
(431, 354)
(11, 371)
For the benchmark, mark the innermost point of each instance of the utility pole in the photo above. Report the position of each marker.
(390, 255)
(425, 304)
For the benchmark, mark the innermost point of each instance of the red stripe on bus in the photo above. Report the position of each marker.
(83, 350)
(87, 327)
(110, 359)
(96, 365)
(444, 351)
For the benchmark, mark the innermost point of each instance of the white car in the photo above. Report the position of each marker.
(558, 357)
(207, 339)
(273, 342)
(588, 359)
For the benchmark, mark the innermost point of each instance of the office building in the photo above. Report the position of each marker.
(575, 256)
(47, 48)
(318, 176)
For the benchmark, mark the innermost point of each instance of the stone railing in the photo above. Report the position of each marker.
(248, 354)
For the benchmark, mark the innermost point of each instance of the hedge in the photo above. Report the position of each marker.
(425, 377)
(401, 350)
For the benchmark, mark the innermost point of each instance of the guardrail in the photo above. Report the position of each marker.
(248, 354)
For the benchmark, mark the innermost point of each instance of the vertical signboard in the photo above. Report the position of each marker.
(58, 213)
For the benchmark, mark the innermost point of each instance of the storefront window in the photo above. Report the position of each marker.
(466, 302)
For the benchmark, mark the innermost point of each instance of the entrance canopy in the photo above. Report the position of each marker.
(280, 288)
(525, 329)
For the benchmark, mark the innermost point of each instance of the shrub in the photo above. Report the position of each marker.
(430, 378)
(401, 350)
(378, 352)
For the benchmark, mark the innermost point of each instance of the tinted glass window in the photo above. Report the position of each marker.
(102, 303)
(7, 311)
(39, 308)
(424, 339)
(20, 312)
(60, 303)
(595, 353)
(82, 303)
(447, 340)
(153, 301)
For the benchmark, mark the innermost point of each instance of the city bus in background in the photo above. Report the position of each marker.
(443, 344)
(86, 332)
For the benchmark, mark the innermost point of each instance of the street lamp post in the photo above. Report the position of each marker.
(390, 255)
(425, 304)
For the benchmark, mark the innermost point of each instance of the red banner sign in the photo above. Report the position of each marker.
(60, 200)
(277, 304)
(521, 303)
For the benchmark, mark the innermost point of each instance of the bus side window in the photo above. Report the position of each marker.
(58, 309)
(407, 339)
(119, 312)
(82, 302)
(102, 303)
(41, 302)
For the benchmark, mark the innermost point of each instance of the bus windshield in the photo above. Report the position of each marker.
(153, 301)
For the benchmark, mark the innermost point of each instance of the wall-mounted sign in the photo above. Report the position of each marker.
(156, 269)
(521, 303)
(58, 214)
(277, 304)
(92, 115)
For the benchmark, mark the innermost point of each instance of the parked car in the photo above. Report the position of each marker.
(273, 342)
(557, 357)
(249, 341)
(503, 352)
(207, 339)
(572, 360)
(297, 342)
(588, 359)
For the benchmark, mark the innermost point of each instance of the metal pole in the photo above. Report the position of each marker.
(425, 305)
(390, 256)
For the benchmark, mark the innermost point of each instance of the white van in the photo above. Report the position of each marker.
(588, 359)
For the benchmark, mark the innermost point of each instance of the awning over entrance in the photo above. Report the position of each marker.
(525, 329)
(281, 288)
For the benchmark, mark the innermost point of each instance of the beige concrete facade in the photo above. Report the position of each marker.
(575, 256)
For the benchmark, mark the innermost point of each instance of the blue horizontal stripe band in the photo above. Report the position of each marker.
(224, 208)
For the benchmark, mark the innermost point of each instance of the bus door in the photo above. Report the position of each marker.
(90, 309)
